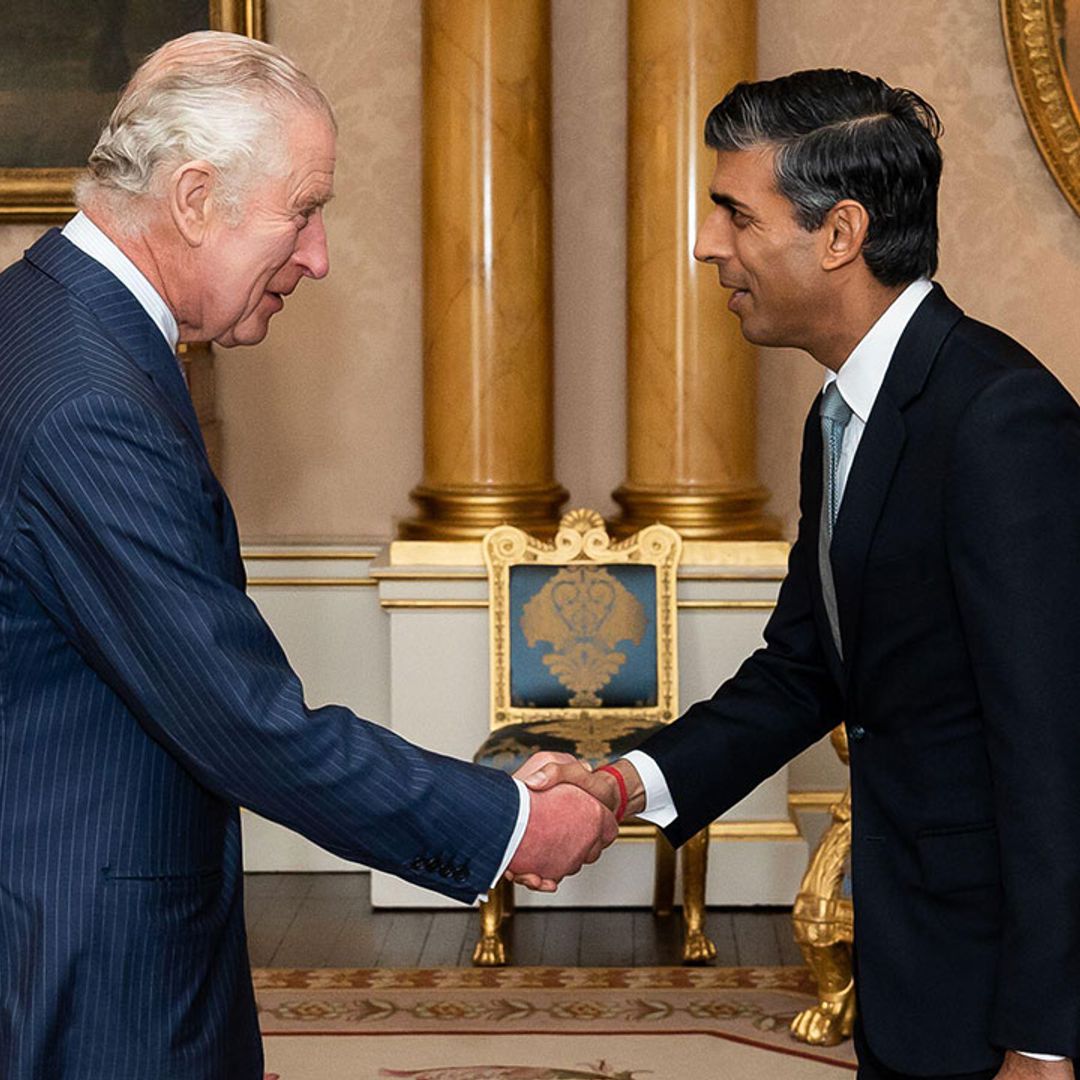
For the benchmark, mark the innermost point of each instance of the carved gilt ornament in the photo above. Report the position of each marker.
(1038, 34)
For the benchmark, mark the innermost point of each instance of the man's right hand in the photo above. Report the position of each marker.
(567, 829)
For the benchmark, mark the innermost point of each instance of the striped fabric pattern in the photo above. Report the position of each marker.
(143, 699)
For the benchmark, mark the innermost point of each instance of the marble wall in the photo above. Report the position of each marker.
(322, 422)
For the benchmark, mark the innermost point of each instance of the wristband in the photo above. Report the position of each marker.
(623, 797)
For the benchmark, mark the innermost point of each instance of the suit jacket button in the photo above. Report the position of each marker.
(857, 732)
(460, 873)
(417, 863)
(445, 871)
(431, 864)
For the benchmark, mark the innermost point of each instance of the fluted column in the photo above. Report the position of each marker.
(691, 396)
(487, 271)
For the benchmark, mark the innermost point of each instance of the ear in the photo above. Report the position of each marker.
(845, 229)
(189, 199)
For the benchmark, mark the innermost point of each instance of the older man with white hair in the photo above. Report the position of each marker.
(142, 697)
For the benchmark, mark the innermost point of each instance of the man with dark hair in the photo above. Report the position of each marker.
(932, 602)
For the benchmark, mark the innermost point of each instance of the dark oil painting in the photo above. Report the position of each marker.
(62, 63)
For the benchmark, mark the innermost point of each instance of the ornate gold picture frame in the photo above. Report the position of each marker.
(1032, 38)
(36, 192)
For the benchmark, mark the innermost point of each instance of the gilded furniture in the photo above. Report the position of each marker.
(824, 929)
(583, 660)
(1043, 42)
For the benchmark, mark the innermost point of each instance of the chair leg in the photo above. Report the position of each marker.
(832, 1019)
(490, 950)
(664, 878)
(697, 948)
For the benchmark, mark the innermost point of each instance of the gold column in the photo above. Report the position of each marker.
(690, 373)
(487, 271)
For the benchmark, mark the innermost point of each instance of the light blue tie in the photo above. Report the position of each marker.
(835, 414)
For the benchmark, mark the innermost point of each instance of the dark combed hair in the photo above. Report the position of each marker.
(844, 135)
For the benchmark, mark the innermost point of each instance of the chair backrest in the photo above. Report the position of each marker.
(584, 627)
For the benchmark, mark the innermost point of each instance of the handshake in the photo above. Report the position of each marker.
(571, 817)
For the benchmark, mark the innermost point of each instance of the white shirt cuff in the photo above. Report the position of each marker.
(516, 835)
(659, 805)
(1040, 1057)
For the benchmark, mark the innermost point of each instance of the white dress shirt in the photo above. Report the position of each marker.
(859, 379)
(89, 239)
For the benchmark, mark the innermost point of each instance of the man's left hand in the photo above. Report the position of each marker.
(1018, 1067)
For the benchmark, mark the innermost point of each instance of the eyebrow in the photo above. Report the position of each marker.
(720, 199)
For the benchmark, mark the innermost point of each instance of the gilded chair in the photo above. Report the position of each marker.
(823, 921)
(583, 660)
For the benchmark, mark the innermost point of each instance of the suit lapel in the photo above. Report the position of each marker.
(879, 454)
(123, 318)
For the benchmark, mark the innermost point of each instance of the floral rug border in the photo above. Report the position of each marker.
(792, 979)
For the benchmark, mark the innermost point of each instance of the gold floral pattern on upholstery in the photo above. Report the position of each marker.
(584, 612)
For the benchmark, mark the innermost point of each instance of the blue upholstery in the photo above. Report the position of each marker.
(583, 636)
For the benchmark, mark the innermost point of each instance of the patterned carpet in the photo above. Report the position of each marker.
(541, 1024)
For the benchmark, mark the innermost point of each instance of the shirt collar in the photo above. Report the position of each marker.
(862, 373)
(88, 238)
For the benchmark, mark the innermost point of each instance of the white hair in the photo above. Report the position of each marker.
(210, 96)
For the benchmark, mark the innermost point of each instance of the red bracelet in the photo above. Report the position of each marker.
(623, 797)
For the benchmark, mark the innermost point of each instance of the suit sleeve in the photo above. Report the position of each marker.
(780, 701)
(118, 542)
(1014, 547)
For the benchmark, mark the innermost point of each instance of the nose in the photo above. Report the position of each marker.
(312, 252)
(713, 242)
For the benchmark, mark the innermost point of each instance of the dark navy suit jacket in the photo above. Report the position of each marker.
(143, 699)
(956, 559)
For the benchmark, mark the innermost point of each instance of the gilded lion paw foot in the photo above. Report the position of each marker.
(489, 952)
(697, 948)
(827, 1023)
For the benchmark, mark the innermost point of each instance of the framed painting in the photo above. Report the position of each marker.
(62, 65)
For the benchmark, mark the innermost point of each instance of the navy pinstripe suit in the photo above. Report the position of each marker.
(143, 698)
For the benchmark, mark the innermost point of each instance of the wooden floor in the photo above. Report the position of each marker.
(326, 920)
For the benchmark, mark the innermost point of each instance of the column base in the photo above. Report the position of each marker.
(467, 512)
(696, 513)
